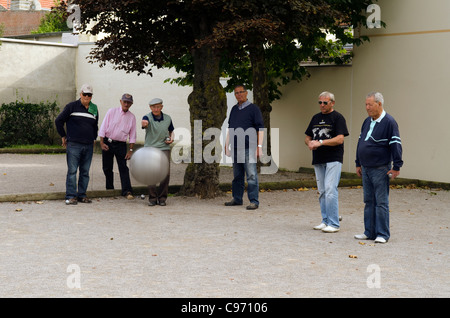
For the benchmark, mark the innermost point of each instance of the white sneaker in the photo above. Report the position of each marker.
(320, 226)
(361, 237)
(381, 240)
(330, 229)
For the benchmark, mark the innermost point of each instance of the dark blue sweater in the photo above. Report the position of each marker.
(248, 117)
(81, 125)
(380, 145)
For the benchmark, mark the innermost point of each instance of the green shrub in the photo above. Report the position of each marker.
(24, 123)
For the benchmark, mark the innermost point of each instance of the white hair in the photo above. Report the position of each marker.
(327, 94)
(377, 96)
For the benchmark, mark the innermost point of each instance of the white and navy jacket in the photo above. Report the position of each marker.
(379, 143)
(81, 124)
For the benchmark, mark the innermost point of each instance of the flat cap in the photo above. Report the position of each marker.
(155, 101)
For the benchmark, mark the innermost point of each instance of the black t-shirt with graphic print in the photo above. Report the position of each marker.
(327, 126)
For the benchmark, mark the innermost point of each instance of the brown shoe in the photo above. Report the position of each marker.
(129, 196)
(84, 200)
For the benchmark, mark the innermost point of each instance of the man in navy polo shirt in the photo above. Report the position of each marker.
(244, 143)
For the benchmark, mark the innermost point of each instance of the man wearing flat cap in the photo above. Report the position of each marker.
(119, 125)
(159, 134)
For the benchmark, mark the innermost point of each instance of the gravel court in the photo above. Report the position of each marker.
(200, 248)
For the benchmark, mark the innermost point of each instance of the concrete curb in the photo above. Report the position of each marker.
(174, 189)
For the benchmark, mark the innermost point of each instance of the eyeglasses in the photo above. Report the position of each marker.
(240, 92)
(325, 103)
(87, 94)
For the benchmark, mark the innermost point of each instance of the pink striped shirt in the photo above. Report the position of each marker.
(119, 125)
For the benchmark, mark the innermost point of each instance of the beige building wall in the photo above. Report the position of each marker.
(408, 62)
(36, 72)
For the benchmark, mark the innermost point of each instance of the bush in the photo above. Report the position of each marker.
(24, 123)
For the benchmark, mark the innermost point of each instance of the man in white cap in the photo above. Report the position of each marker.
(118, 126)
(159, 134)
(81, 120)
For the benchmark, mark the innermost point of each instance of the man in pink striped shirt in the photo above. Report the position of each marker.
(118, 125)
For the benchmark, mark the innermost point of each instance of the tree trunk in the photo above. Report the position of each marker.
(208, 107)
(260, 87)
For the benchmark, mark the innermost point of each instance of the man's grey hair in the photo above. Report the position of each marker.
(327, 94)
(377, 96)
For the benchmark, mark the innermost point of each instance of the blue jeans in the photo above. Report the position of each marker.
(79, 156)
(328, 176)
(240, 169)
(376, 198)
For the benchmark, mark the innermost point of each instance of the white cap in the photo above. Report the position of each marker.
(155, 101)
(86, 88)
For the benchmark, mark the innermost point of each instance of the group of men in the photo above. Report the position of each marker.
(378, 153)
(80, 119)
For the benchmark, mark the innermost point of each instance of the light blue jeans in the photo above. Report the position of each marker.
(79, 156)
(376, 198)
(328, 176)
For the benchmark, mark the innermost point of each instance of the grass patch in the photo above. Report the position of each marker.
(38, 146)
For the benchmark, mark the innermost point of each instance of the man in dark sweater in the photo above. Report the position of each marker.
(81, 120)
(244, 143)
(378, 147)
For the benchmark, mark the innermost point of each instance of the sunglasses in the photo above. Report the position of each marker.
(325, 103)
(87, 94)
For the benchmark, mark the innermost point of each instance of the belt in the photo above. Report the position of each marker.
(113, 141)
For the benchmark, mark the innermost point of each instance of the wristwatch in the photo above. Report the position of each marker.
(131, 149)
(259, 146)
(321, 141)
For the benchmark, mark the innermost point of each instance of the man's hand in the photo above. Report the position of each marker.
(104, 146)
(393, 173)
(359, 171)
(64, 142)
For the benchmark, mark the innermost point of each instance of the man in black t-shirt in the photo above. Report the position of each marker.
(325, 138)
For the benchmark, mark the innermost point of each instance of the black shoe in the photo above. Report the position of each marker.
(231, 203)
(252, 206)
(151, 203)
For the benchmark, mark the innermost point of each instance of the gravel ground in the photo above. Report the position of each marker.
(199, 248)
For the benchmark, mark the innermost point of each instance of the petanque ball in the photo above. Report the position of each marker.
(149, 165)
